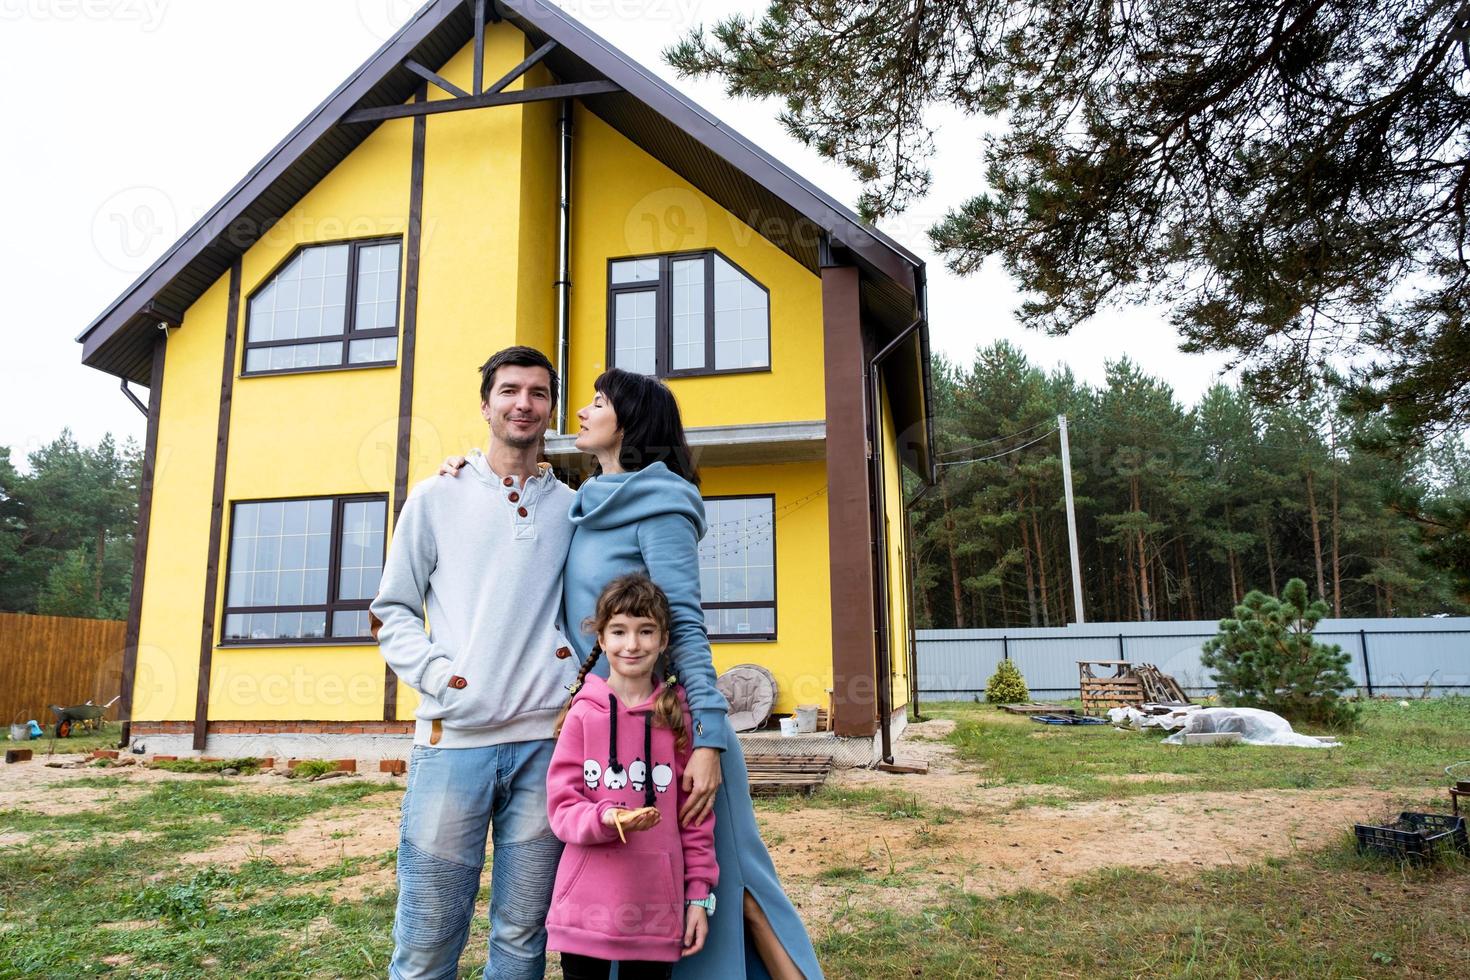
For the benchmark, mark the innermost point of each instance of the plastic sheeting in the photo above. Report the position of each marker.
(1149, 716)
(1255, 725)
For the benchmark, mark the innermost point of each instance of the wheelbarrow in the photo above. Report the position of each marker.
(87, 715)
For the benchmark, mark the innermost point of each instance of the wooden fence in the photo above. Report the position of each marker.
(57, 660)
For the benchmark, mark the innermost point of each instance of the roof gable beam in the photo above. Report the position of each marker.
(481, 101)
(482, 97)
(434, 78)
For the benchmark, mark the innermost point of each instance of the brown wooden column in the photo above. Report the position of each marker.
(406, 355)
(849, 526)
(216, 514)
(140, 540)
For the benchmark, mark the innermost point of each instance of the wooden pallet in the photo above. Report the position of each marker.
(1038, 709)
(1129, 686)
(775, 775)
(1101, 693)
(1159, 687)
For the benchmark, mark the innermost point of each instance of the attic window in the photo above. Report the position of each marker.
(329, 306)
(686, 314)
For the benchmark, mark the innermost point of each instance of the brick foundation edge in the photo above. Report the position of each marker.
(368, 727)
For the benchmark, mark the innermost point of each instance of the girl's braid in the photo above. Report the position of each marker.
(576, 686)
(666, 710)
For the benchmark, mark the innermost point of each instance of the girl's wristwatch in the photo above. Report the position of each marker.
(707, 903)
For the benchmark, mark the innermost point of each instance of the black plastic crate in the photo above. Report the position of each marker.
(1414, 836)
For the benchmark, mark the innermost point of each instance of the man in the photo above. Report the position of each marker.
(468, 602)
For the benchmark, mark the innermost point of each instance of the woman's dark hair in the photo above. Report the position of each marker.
(648, 416)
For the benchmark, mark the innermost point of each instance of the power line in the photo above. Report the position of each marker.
(986, 442)
(981, 459)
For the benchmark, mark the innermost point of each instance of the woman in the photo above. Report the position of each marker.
(642, 511)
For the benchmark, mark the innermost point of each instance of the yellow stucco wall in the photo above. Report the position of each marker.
(800, 657)
(485, 282)
(178, 540)
(898, 599)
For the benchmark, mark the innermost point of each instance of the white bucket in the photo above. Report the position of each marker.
(806, 718)
(788, 727)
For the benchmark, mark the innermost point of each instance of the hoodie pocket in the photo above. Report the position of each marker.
(498, 691)
(619, 892)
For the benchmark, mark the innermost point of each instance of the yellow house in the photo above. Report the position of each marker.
(496, 174)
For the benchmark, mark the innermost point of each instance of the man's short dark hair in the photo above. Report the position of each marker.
(517, 357)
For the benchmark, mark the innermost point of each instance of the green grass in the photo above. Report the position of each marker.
(71, 898)
(57, 903)
(1396, 746)
(1330, 914)
(310, 768)
(245, 767)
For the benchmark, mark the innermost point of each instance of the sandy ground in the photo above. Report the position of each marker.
(975, 836)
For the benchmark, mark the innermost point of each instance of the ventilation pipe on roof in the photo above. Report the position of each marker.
(563, 262)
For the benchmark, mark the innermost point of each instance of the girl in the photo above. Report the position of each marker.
(634, 885)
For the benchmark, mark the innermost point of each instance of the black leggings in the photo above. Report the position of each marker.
(574, 967)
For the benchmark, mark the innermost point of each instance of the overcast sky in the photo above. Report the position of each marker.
(128, 119)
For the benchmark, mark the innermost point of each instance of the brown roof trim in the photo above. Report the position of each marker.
(866, 242)
(324, 139)
(220, 219)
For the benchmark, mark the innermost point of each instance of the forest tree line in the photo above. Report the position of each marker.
(1180, 511)
(66, 528)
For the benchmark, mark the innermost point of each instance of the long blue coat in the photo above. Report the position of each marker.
(651, 521)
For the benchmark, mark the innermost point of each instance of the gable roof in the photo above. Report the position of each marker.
(786, 208)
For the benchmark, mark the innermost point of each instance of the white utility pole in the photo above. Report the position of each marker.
(1071, 520)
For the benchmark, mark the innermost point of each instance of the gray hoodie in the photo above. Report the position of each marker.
(469, 601)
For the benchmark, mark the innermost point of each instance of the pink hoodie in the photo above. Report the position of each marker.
(617, 901)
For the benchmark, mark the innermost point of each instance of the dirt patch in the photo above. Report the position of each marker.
(315, 842)
(986, 845)
(1045, 847)
(984, 838)
(131, 925)
(1146, 777)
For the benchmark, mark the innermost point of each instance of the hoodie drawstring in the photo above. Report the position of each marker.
(613, 766)
(648, 797)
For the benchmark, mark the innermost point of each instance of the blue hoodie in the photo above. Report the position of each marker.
(650, 521)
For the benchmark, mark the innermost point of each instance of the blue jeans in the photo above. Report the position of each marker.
(454, 797)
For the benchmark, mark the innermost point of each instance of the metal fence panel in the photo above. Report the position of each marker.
(1396, 657)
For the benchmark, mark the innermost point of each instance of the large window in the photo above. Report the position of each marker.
(303, 570)
(691, 313)
(737, 568)
(330, 306)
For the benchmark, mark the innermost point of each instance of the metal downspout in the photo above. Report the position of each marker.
(880, 520)
(563, 262)
(908, 569)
